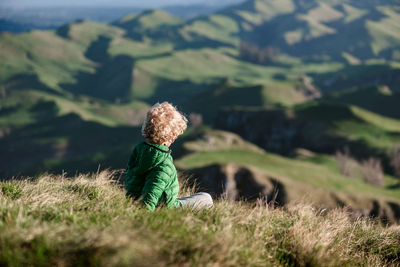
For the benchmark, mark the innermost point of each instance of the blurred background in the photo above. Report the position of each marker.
(288, 99)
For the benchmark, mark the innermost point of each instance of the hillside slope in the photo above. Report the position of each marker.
(322, 28)
(88, 221)
(325, 125)
(73, 99)
(226, 165)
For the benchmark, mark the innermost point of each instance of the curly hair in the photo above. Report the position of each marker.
(163, 123)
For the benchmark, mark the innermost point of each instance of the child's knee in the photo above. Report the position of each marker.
(207, 199)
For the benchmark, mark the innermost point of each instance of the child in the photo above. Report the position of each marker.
(151, 174)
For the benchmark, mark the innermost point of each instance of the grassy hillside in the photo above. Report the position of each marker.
(314, 30)
(141, 55)
(326, 125)
(372, 74)
(65, 143)
(380, 100)
(155, 55)
(280, 167)
(73, 99)
(88, 221)
(323, 29)
(225, 164)
(353, 123)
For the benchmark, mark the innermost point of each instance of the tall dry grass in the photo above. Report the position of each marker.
(88, 221)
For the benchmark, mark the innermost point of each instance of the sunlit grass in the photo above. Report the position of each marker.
(288, 169)
(88, 221)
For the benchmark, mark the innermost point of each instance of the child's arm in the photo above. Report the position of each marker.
(155, 184)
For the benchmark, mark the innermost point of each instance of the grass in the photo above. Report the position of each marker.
(288, 170)
(214, 27)
(352, 122)
(56, 144)
(305, 176)
(257, 12)
(370, 75)
(61, 62)
(193, 66)
(384, 32)
(38, 52)
(315, 19)
(123, 46)
(86, 32)
(14, 114)
(372, 99)
(133, 70)
(150, 19)
(353, 13)
(88, 221)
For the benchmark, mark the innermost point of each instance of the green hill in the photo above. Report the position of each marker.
(225, 164)
(317, 29)
(146, 20)
(380, 100)
(88, 221)
(65, 143)
(153, 54)
(74, 98)
(149, 24)
(321, 126)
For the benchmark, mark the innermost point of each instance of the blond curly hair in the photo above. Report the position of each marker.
(163, 124)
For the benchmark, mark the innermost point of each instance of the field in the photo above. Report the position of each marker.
(293, 129)
(87, 220)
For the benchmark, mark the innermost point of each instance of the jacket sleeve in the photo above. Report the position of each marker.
(128, 172)
(156, 182)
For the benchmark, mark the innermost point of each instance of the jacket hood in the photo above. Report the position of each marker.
(148, 156)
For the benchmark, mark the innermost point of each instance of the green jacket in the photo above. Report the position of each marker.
(151, 176)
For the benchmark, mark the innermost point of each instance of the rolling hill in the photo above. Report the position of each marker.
(315, 30)
(226, 165)
(73, 98)
(87, 220)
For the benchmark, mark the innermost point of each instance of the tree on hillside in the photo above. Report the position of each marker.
(394, 156)
(256, 54)
(196, 120)
(371, 170)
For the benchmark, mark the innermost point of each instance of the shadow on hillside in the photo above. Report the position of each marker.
(176, 91)
(97, 51)
(44, 110)
(281, 132)
(371, 99)
(358, 77)
(65, 143)
(136, 30)
(270, 63)
(316, 49)
(63, 31)
(112, 78)
(168, 33)
(28, 81)
(164, 33)
(4, 111)
(201, 42)
(194, 97)
(223, 94)
(237, 183)
(160, 55)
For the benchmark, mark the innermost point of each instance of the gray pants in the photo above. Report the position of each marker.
(197, 201)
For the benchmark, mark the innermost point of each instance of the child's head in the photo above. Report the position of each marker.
(163, 124)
